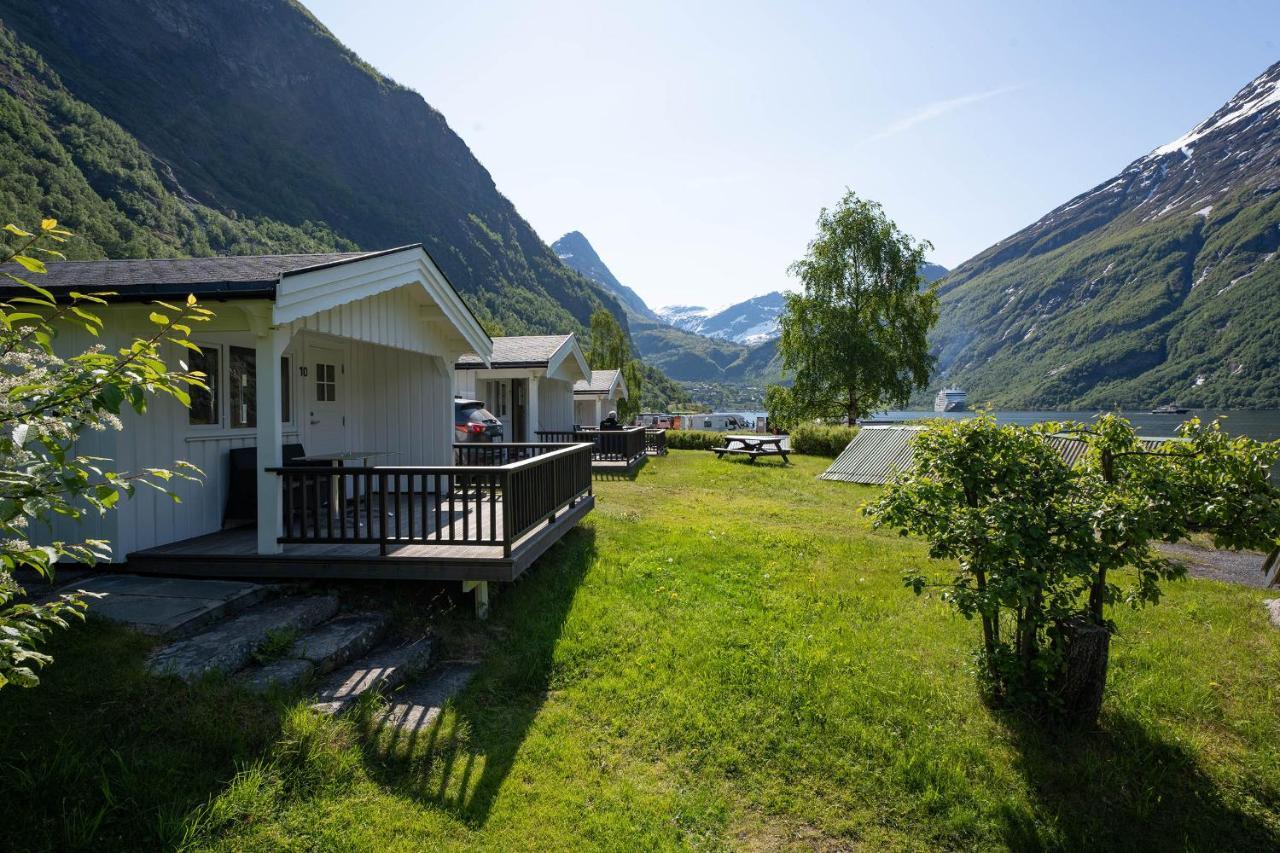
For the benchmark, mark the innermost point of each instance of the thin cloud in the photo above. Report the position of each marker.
(936, 109)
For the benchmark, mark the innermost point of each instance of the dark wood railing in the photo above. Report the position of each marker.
(610, 445)
(465, 504)
(655, 441)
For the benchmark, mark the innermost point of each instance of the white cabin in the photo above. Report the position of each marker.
(595, 397)
(361, 347)
(527, 384)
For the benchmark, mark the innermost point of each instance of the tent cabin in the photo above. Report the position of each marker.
(359, 349)
(527, 383)
(596, 396)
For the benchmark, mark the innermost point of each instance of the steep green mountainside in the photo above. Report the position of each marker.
(1159, 285)
(255, 110)
(60, 157)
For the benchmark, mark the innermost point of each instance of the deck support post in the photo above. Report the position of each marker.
(270, 344)
(481, 590)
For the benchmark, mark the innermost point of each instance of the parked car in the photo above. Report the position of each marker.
(473, 422)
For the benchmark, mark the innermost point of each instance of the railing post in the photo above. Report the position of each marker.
(505, 479)
(382, 514)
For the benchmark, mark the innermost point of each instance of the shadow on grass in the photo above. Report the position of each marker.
(1122, 788)
(620, 473)
(461, 758)
(103, 756)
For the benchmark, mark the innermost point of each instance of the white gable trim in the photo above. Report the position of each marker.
(568, 363)
(311, 292)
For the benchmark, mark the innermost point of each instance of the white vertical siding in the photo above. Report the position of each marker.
(555, 404)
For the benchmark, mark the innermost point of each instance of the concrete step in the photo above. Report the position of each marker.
(340, 640)
(382, 669)
(417, 706)
(228, 646)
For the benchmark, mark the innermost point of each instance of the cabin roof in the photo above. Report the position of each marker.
(519, 351)
(234, 277)
(601, 382)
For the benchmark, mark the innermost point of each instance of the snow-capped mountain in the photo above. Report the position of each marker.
(751, 322)
(1158, 285)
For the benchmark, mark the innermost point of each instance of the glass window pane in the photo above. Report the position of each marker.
(243, 392)
(204, 402)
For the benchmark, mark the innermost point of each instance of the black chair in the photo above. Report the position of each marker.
(242, 488)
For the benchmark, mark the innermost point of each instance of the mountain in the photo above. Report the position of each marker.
(751, 322)
(680, 354)
(1160, 284)
(185, 129)
(576, 252)
(932, 272)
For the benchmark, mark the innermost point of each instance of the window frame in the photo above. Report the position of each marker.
(222, 386)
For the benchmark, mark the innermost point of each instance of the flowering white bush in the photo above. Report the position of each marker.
(46, 401)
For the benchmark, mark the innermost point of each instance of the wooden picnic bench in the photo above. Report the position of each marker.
(753, 446)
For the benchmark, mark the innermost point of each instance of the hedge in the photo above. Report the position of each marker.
(692, 439)
(817, 440)
(810, 439)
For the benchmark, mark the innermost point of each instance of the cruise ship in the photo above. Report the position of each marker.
(949, 400)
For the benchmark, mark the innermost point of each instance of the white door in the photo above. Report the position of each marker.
(326, 399)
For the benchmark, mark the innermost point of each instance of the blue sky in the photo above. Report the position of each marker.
(694, 143)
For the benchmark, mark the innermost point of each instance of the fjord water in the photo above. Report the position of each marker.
(1259, 424)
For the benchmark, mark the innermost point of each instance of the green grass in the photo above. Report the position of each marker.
(722, 656)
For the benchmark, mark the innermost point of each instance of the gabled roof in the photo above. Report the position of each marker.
(522, 351)
(234, 277)
(559, 356)
(601, 382)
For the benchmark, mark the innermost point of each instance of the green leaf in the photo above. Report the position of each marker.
(159, 319)
(31, 264)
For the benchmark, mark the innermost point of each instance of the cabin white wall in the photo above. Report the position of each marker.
(555, 404)
(465, 383)
(397, 406)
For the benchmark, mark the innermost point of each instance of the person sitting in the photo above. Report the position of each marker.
(610, 421)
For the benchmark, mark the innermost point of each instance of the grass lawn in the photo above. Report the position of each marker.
(722, 656)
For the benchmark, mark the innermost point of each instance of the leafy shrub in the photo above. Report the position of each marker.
(819, 440)
(692, 439)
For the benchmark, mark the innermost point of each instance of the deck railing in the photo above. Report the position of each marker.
(655, 441)
(466, 504)
(610, 445)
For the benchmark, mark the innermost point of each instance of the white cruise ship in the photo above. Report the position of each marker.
(949, 400)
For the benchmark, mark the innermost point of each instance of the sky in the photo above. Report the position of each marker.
(694, 144)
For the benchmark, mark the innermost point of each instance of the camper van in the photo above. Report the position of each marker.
(714, 422)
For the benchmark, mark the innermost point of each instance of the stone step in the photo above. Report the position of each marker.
(340, 640)
(320, 650)
(228, 646)
(382, 669)
(417, 706)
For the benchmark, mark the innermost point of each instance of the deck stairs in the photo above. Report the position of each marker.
(299, 641)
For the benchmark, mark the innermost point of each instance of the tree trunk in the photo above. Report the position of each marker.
(1084, 673)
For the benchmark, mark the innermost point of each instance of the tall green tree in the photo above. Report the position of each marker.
(855, 339)
(611, 350)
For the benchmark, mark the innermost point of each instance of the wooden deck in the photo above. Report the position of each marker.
(232, 554)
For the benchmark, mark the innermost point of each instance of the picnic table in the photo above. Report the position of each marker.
(753, 446)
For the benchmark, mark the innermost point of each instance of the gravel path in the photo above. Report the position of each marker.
(1243, 567)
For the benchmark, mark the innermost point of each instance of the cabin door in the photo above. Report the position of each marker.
(519, 410)
(326, 399)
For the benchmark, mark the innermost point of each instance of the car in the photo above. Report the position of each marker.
(473, 422)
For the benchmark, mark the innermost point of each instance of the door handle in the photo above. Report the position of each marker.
(313, 423)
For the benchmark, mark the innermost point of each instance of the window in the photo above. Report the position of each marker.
(234, 368)
(326, 382)
(205, 404)
(286, 391)
(242, 387)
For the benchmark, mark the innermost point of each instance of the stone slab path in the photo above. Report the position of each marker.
(166, 607)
